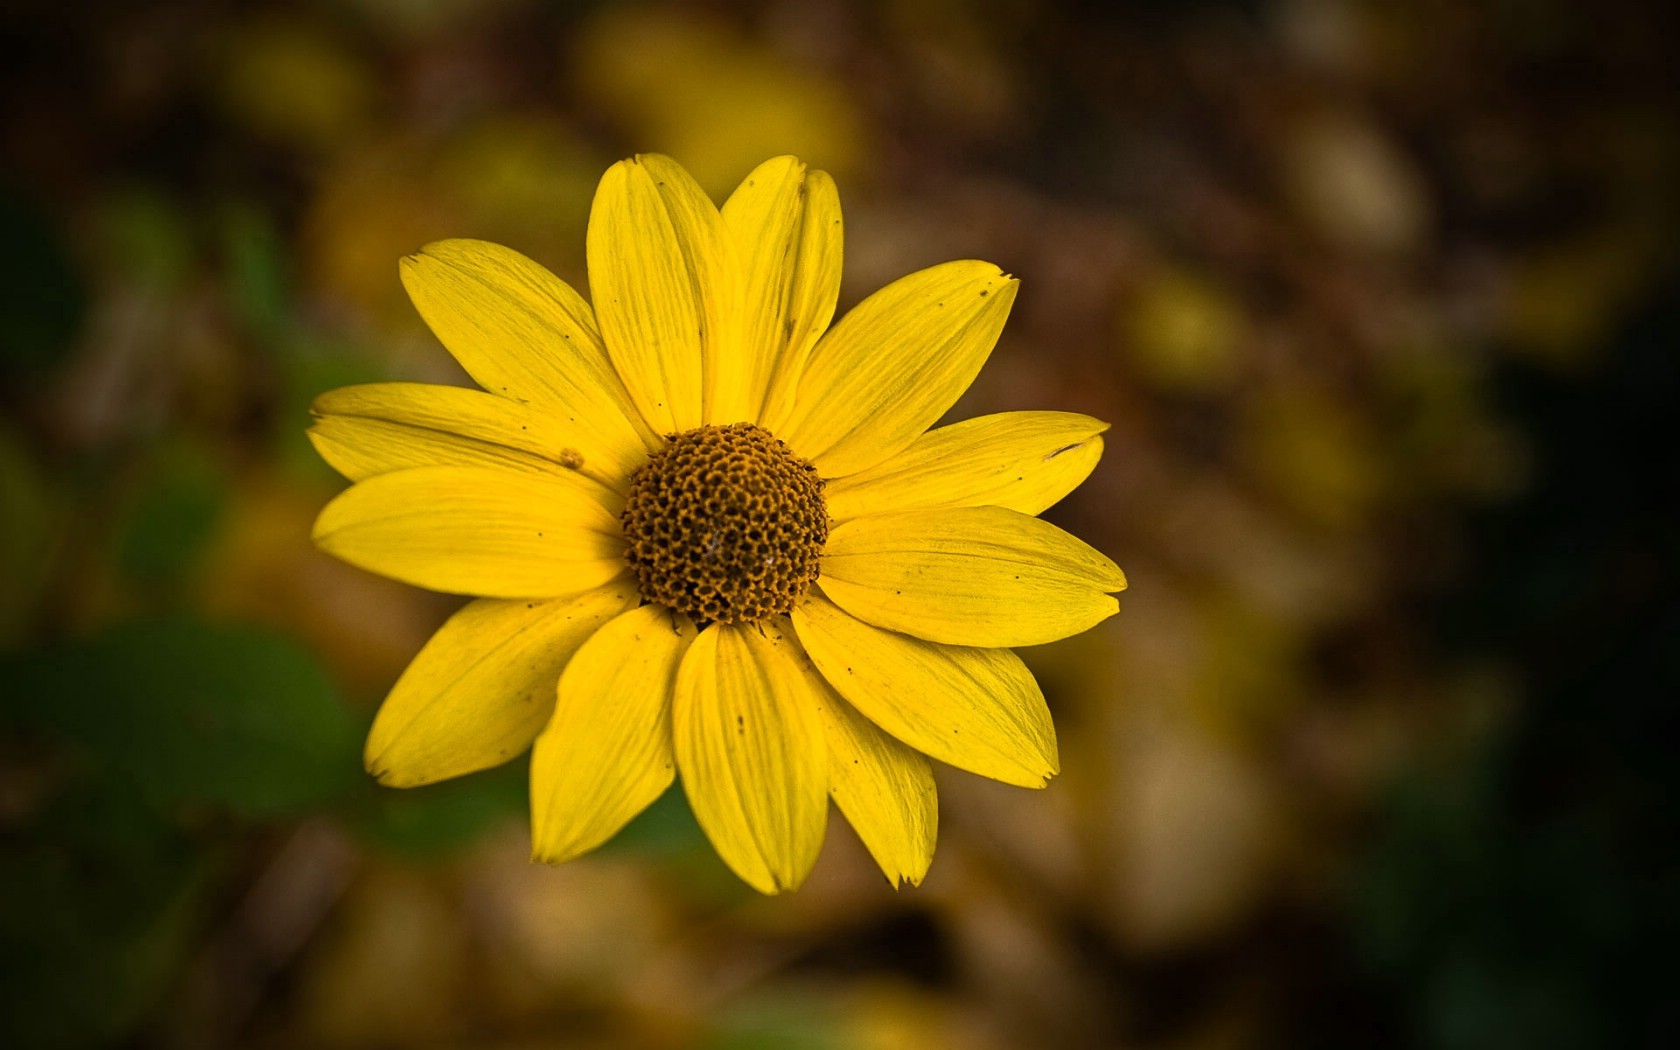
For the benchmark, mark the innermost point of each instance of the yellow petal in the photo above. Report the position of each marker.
(884, 788)
(749, 743)
(786, 224)
(606, 754)
(468, 530)
(381, 427)
(969, 576)
(662, 276)
(976, 709)
(1024, 461)
(523, 333)
(482, 688)
(895, 363)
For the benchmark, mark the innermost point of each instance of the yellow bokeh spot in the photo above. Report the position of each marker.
(524, 180)
(1316, 454)
(1562, 303)
(716, 101)
(295, 83)
(521, 179)
(370, 212)
(1183, 333)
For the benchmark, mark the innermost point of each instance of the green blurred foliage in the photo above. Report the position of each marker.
(1523, 889)
(174, 516)
(257, 271)
(791, 1022)
(440, 819)
(145, 738)
(42, 294)
(113, 892)
(26, 543)
(197, 716)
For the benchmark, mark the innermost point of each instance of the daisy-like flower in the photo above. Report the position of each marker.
(710, 535)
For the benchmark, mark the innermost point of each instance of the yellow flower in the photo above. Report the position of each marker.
(721, 526)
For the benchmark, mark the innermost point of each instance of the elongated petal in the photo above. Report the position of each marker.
(524, 334)
(467, 530)
(1024, 461)
(895, 363)
(606, 754)
(976, 709)
(884, 788)
(663, 281)
(969, 576)
(749, 744)
(787, 230)
(483, 687)
(381, 427)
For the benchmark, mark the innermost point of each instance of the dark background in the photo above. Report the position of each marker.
(1380, 299)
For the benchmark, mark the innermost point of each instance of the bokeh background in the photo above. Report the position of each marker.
(1381, 301)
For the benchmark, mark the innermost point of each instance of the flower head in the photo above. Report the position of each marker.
(711, 536)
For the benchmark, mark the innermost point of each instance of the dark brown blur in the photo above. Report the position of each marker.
(1380, 299)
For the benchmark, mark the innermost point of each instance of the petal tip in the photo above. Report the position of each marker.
(768, 885)
(654, 164)
(314, 433)
(431, 251)
(391, 777)
(448, 251)
(546, 849)
(376, 759)
(542, 856)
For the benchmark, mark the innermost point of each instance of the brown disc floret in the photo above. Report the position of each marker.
(725, 524)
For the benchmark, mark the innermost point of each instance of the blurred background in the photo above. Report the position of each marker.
(1381, 301)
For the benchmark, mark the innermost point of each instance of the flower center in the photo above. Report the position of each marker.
(725, 524)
